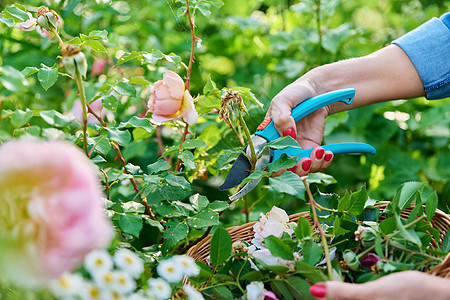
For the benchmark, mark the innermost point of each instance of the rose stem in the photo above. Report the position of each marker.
(249, 140)
(188, 73)
(84, 104)
(246, 209)
(322, 234)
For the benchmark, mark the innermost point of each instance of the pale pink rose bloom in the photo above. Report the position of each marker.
(77, 111)
(98, 67)
(269, 295)
(51, 213)
(256, 291)
(170, 100)
(266, 257)
(278, 214)
(27, 25)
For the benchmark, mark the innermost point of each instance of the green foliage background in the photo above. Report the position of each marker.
(258, 44)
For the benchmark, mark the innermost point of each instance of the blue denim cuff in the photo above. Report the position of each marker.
(428, 47)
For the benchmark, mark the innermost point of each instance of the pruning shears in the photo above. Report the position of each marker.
(266, 133)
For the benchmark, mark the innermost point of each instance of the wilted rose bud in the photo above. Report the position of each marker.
(351, 260)
(73, 60)
(231, 103)
(47, 19)
(369, 260)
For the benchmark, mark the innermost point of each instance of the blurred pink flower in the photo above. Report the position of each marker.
(52, 212)
(77, 111)
(170, 100)
(98, 67)
(269, 295)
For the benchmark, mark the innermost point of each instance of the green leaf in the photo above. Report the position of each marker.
(219, 206)
(320, 178)
(252, 276)
(388, 225)
(154, 223)
(288, 183)
(103, 34)
(29, 71)
(131, 224)
(202, 219)
(188, 160)
(159, 166)
(122, 137)
(192, 144)
(20, 117)
(255, 175)
(280, 288)
(278, 248)
(57, 119)
(222, 292)
(405, 194)
(175, 233)
(137, 122)
(303, 228)
(216, 3)
(47, 77)
(220, 246)
(7, 21)
(204, 9)
(309, 272)
(446, 242)
(284, 162)
(409, 234)
(282, 143)
(12, 80)
(126, 89)
(198, 202)
(132, 207)
(128, 56)
(178, 181)
(299, 288)
(138, 80)
(431, 205)
(95, 45)
(337, 228)
(312, 253)
(378, 247)
(110, 102)
(17, 13)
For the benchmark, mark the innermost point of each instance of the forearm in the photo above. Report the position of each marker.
(387, 74)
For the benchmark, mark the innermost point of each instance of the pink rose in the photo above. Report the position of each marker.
(52, 213)
(98, 67)
(170, 100)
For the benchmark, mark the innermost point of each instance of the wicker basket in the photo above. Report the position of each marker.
(440, 221)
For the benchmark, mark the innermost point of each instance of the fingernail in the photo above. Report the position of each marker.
(318, 290)
(293, 169)
(328, 156)
(290, 132)
(319, 153)
(306, 165)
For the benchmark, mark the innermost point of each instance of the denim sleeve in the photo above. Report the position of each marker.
(428, 47)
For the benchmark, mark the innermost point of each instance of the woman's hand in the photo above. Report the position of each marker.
(408, 285)
(308, 131)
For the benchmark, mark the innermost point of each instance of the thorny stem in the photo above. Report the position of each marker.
(249, 140)
(84, 104)
(239, 137)
(133, 182)
(322, 234)
(107, 187)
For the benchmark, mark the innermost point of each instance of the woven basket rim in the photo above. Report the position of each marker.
(242, 232)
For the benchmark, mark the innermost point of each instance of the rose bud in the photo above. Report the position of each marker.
(47, 19)
(369, 260)
(368, 237)
(73, 60)
(351, 260)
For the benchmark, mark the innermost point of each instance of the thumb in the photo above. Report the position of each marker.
(335, 290)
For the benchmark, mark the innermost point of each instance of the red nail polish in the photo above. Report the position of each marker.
(306, 165)
(293, 169)
(319, 153)
(318, 290)
(328, 156)
(290, 132)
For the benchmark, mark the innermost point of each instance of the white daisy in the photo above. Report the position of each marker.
(170, 270)
(105, 280)
(123, 282)
(192, 293)
(114, 295)
(67, 285)
(188, 266)
(92, 292)
(129, 262)
(98, 261)
(159, 288)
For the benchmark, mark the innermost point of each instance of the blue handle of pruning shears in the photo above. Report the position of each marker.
(268, 131)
